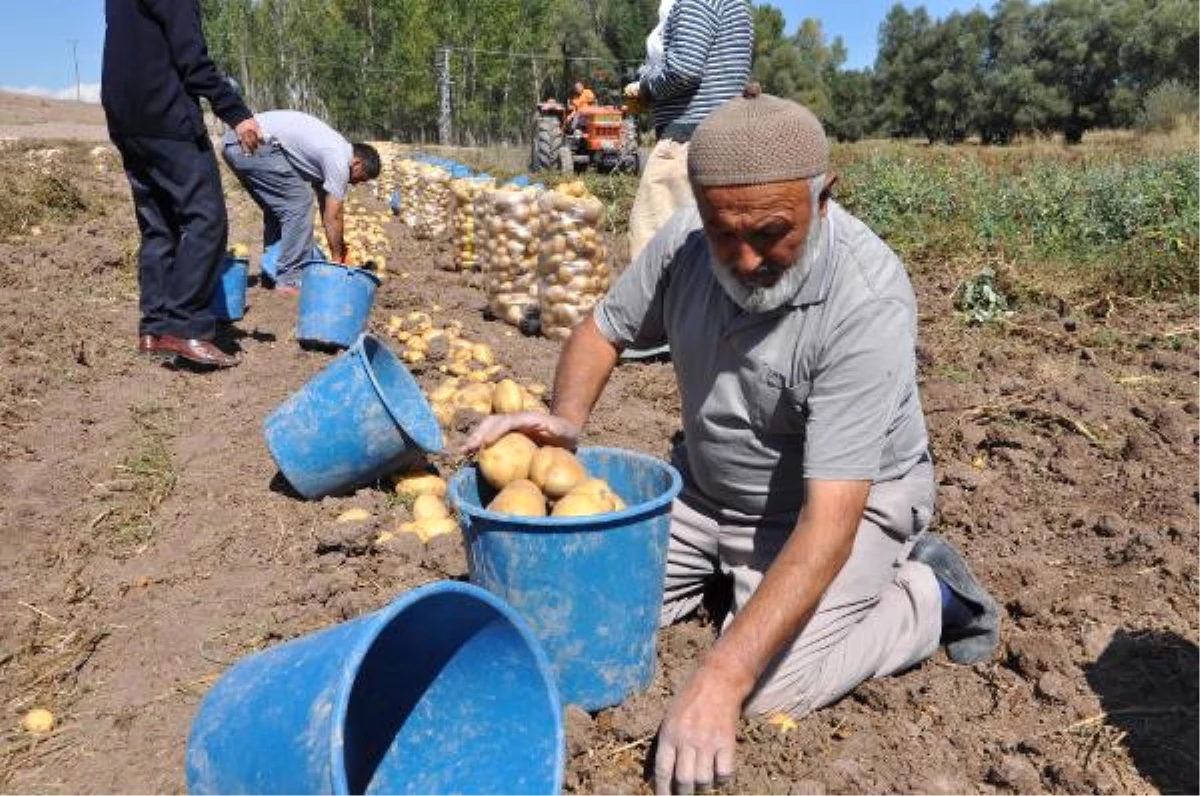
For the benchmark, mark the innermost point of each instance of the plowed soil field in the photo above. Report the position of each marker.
(148, 543)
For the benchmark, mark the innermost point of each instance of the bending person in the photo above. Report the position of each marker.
(300, 156)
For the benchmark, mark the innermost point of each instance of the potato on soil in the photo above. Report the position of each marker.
(520, 497)
(506, 459)
(38, 721)
(556, 471)
(420, 482)
(507, 397)
(429, 506)
(430, 527)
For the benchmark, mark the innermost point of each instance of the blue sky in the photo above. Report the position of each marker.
(35, 48)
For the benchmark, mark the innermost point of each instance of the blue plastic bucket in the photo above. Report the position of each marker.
(445, 690)
(590, 587)
(359, 418)
(269, 264)
(228, 301)
(335, 303)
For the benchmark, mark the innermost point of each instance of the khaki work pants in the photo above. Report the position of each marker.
(881, 614)
(663, 189)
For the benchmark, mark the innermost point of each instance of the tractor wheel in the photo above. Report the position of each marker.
(547, 145)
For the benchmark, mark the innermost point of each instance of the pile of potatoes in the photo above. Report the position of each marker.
(365, 236)
(542, 481)
(427, 491)
(463, 221)
(484, 398)
(423, 342)
(432, 203)
(407, 184)
(389, 154)
(573, 262)
(511, 218)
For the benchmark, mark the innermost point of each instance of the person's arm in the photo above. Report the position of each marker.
(698, 737)
(182, 26)
(690, 34)
(333, 220)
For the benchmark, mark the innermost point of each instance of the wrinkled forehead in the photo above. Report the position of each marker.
(791, 198)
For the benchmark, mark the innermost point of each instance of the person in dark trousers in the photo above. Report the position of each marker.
(156, 68)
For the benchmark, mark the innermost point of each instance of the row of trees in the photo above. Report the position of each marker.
(1063, 65)
(375, 67)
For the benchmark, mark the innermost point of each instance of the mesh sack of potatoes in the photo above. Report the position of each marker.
(463, 192)
(510, 248)
(573, 261)
(432, 203)
(408, 184)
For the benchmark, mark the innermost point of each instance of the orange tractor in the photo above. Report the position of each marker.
(602, 137)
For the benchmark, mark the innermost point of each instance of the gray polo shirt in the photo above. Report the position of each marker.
(823, 387)
(316, 151)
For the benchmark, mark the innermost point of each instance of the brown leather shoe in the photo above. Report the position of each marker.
(147, 344)
(198, 352)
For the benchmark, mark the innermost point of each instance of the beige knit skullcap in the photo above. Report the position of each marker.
(757, 138)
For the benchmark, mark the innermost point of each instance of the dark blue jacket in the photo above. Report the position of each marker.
(156, 67)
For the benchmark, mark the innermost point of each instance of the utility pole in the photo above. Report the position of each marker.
(444, 122)
(75, 58)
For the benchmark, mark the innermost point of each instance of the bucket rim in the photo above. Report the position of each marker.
(558, 523)
(380, 620)
(349, 268)
(425, 431)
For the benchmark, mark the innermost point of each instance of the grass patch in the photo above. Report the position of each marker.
(146, 477)
(37, 188)
(1104, 218)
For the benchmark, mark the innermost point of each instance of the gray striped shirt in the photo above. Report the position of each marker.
(707, 46)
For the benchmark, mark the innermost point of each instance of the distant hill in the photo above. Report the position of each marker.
(29, 116)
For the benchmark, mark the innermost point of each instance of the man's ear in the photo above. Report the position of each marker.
(827, 192)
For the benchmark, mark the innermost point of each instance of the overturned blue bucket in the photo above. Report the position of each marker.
(590, 587)
(228, 301)
(359, 418)
(335, 303)
(445, 690)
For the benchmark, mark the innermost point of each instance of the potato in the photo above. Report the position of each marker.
(430, 527)
(599, 489)
(506, 397)
(555, 471)
(507, 459)
(428, 506)
(354, 515)
(420, 482)
(482, 353)
(580, 504)
(444, 412)
(445, 391)
(521, 497)
(38, 721)
(476, 396)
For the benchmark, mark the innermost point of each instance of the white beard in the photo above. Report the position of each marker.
(766, 299)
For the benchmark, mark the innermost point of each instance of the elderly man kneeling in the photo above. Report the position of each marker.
(808, 480)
